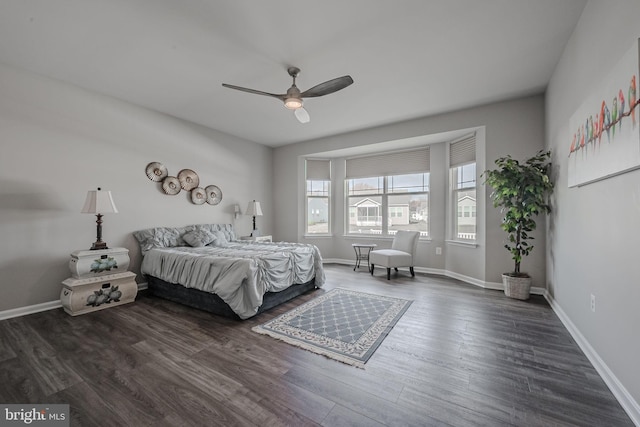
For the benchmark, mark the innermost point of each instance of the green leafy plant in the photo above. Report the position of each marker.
(521, 192)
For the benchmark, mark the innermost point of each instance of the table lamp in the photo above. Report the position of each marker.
(254, 210)
(99, 202)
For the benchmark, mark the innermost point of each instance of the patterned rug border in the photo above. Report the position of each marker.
(376, 332)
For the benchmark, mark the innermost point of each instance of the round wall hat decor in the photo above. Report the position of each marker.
(171, 185)
(156, 171)
(214, 194)
(188, 179)
(198, 196)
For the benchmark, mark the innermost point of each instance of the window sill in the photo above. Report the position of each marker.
(317, 236)
(379, 237)
(470, 244)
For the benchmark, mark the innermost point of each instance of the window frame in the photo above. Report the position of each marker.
(318, 171)
(462, 153)
(385, 208)
(456, 214)
(308, 198)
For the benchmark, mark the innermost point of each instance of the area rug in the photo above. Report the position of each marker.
(342, 324)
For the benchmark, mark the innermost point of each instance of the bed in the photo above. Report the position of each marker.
(205, 267)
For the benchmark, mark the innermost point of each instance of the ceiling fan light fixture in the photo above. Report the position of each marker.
(293, 103)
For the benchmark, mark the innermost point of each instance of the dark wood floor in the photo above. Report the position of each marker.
(460, 356)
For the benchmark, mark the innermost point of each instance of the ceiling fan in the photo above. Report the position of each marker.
(293, 98)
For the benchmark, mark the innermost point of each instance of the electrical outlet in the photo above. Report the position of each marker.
(438, 251)
(593, 303)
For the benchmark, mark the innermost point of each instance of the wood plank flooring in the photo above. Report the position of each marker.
(460, 356)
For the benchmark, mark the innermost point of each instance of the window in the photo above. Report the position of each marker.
(395, 212)
(407, 208)
(463, 188)
(388, 192)
(365, 204)
(318, 196)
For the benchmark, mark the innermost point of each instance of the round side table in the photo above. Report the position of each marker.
(362, 251)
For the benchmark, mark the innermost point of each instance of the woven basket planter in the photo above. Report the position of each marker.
(516, 287)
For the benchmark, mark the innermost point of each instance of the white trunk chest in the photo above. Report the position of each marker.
(87, 263)
(83, 295)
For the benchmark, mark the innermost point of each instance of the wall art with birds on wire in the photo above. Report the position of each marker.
(605, 135)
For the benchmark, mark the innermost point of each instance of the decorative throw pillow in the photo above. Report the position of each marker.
(199, 238)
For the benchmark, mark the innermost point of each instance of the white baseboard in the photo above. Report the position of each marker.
(36, 308)
(498, 286)
(625, 399)
(23, 311)
(467, 279)
(538, 291)
(337, 261)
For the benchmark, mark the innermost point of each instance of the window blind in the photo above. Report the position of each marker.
(462, 151)
(319, 170)
(395, 163)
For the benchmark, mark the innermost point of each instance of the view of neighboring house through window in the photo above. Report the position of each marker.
(365, 204)
(318, 196)
(462, 159)
(382, 204)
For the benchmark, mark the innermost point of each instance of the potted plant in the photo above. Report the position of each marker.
(521, 191)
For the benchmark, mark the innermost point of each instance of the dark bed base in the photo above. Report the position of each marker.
(213, 303)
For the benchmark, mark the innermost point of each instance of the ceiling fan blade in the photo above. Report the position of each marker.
(257, 92)
(328, 87)
(302, 115)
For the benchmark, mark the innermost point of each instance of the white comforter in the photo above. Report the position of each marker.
(240, 273)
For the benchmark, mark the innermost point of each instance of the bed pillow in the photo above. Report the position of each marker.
(161, 237)
(199, 238)
(219, 239)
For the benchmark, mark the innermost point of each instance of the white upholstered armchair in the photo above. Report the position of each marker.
(401, 254)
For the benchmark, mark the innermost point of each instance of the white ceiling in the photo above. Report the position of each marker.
(408, 58)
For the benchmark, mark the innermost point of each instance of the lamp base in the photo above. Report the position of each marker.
(99, 245)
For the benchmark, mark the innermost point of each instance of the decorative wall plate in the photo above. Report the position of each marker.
(214, 194)
(171, 185)
(198, 196)
(188, 179)
(156, 171)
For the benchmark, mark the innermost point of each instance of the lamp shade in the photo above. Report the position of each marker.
(99, 202)
(254, 209)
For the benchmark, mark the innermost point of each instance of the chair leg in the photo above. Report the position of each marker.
(371, 269)
(412, 273)
(388, 273)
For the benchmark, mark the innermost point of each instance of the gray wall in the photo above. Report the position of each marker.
(513, 127)
(593, 233)
(59, 141)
